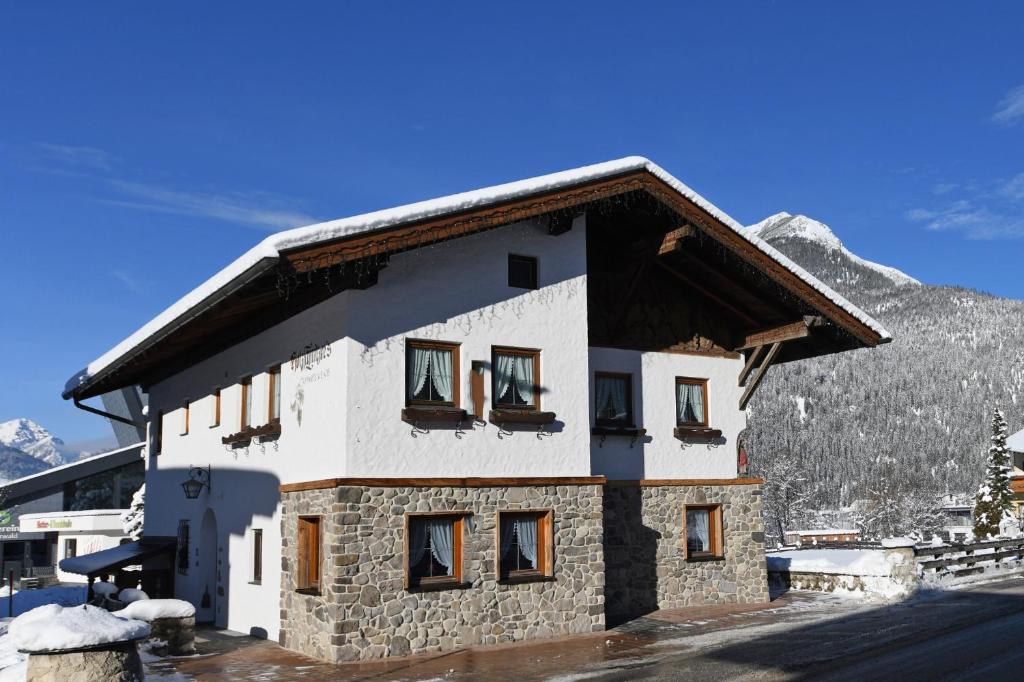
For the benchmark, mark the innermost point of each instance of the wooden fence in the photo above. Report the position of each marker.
(964, 559)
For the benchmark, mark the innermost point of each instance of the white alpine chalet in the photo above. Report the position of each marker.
(507, 414)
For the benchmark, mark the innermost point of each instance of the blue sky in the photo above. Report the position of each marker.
(142, 147)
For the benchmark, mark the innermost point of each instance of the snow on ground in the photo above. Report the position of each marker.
(129, 595)
(834, 561)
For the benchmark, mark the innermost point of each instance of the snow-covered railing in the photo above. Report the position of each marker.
(964, 559)
(840, 544)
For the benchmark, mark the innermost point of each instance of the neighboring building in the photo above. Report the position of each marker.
(88, 491)
(1015, 444)
(78, 532)
(495, 416)
(959, 521)
(810, 537)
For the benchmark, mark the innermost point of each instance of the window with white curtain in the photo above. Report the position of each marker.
(691, 402)
(524, 539)
(703, 531)
(431, 373)
(613, 399)
(516, 372)
(434, 544)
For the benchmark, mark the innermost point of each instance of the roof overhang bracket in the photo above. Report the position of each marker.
(761, 370)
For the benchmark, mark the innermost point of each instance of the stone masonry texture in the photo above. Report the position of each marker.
(364, 611)
(645, 560)
(619, 553)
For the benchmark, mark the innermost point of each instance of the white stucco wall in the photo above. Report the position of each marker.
(459, 292)
(660, 454)
(340, 414)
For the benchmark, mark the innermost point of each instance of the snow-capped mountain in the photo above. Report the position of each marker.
(32, 439)
(907, 419)
(848, 268)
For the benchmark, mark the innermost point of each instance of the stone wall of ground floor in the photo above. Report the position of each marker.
(646, 564)
(363, 609)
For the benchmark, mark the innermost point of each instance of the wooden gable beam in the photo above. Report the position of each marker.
(759, 375)
(674, 240)
(784, 332)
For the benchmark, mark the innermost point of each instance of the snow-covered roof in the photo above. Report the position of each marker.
(71, 471)
(1016, 441)
(262, 256)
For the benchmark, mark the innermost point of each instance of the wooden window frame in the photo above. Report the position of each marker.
(215, 421)
(244, 418)
(511, 350)
(693, 381)
(273, 384)
(308, 569)
(534, 262)
(454, 348)
(458, 538)
(545, 547)
(715, 533)
(158, 439)
(630, 420)
(187, 411)
(257, 556)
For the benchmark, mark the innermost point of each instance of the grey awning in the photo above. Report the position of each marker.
(110, 560)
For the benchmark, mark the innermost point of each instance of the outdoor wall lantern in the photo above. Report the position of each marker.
(197, 478)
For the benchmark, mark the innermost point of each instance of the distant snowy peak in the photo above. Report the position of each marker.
(32, 439)
(784, 226)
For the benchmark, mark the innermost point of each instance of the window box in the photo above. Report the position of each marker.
(421, 413)
(271, 430)
(696, 432)
(514, 416)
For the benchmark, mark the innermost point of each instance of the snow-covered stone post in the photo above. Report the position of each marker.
(79, 643)
(899, 554)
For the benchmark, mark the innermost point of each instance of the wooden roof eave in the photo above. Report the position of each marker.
(406, 236)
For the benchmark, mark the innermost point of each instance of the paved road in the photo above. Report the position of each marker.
(970, 634)
(973, 634)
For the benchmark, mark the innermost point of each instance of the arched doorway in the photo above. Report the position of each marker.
(207, 570)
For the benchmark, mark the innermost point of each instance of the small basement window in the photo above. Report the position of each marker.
(691, 402)
(433, 554)
(702, 530)
(431, 373)
(525, 544)
(307, 569)
(613, 399)
(516, 375)
(522, 272)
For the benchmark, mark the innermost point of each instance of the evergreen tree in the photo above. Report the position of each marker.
(994, 499)
(132, 519)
